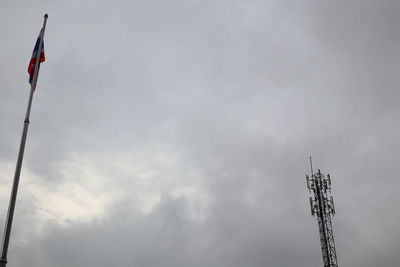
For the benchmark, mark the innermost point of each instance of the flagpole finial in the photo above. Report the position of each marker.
(46, 16)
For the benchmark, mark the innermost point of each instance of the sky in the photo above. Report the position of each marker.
(178, 133)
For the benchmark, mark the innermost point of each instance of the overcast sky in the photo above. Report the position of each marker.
(177, 133)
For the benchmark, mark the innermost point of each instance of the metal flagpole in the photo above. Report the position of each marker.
(14, 190)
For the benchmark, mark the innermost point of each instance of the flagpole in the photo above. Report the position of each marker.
(14, 190)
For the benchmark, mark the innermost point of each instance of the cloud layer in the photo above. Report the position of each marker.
(177, 133)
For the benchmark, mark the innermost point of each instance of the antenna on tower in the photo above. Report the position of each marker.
(323, 208)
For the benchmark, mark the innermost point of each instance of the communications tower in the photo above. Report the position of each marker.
(323, 208)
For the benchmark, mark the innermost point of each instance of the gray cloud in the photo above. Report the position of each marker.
(182, 130)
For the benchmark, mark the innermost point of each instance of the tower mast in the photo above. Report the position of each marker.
(323, 208)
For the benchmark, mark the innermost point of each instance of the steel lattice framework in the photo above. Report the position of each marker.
(322, 207)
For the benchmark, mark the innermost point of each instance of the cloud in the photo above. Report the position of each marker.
(178, 133)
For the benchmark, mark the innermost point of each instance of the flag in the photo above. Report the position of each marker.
(38, 52)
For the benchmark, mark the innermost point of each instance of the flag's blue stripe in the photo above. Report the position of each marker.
(36, 48)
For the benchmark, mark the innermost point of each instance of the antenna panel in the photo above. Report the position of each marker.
(312, 207)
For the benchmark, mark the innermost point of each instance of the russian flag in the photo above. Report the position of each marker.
(37, 53)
